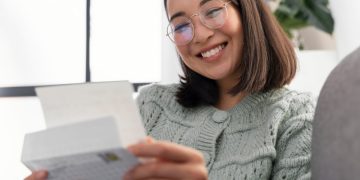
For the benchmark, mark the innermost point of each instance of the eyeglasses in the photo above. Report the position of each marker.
(212, 14)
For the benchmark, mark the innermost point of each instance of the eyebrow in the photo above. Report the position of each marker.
(203, 2)
(177, 15)
(183, 14)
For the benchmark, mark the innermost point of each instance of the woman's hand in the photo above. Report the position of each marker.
(37, 175)
(165, 160)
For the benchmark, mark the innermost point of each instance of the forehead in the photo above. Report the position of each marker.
(186, 6)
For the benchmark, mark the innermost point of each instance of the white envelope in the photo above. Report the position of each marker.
(88, 128)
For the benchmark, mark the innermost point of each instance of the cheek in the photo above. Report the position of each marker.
(185, 54)
(183, 51)
(233, 26)
(189, 60)
(233, 30)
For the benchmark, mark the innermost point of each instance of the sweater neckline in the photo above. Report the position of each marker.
(246, 104)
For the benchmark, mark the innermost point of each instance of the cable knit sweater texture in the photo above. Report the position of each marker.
(265, 136)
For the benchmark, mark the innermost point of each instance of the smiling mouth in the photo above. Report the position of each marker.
(212, 52)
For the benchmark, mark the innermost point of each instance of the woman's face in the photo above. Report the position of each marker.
(213, 53)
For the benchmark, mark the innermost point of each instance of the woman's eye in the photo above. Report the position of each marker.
(214, 12)
(181, 27)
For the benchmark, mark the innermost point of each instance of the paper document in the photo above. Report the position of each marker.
(88, 128)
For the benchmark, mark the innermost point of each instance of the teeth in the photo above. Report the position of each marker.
(212, 52)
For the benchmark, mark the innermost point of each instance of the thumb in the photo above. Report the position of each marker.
(41, 175)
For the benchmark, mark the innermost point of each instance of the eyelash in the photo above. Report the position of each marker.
(179, 27)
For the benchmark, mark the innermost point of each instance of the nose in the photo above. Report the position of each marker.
(201, 32)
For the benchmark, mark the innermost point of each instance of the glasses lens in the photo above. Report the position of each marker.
(213, 14)
(180, 30)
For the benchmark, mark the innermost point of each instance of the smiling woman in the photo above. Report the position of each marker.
(230, 116)
(231, 105)
(265, 46)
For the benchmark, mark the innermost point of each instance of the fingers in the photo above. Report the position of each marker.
(166, 150)
(38, 175)
(166, 160)
(167, 170)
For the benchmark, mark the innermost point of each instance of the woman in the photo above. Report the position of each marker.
(231, 116)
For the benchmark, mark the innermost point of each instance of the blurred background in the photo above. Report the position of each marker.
(49, 42)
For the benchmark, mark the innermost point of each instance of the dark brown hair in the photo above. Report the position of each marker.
(268, 60)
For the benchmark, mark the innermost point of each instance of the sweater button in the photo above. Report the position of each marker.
(220, 116)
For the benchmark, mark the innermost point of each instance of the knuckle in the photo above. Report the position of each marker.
(162, 149)
(198, 157)
(144, 171)
(154, 169)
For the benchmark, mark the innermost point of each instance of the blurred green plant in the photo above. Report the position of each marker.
(297, 14)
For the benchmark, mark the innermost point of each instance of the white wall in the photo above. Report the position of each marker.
(170, 67)
(126, 44)
(347, 25)
(313, 70)
(40, 40)
(18, 116)
(315, 39)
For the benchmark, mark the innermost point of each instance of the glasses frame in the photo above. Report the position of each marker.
(189, 19)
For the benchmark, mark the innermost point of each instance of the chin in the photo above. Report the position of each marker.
(216, 77)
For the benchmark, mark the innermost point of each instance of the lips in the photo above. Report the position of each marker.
(212, 51)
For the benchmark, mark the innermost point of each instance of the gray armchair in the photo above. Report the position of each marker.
(336, 132)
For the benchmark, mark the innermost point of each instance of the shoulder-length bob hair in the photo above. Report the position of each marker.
(268, 60)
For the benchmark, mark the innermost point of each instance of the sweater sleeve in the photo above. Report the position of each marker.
(294, 140)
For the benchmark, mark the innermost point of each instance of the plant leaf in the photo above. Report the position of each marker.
(320, 16)
(296, 14)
